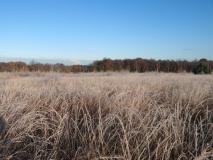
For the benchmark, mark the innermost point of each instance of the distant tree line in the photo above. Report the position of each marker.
(131, 65)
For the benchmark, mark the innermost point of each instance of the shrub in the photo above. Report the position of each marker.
(202, 68)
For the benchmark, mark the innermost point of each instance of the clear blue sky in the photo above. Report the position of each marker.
(93, 29)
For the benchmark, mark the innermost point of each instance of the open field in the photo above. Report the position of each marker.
(115, 116)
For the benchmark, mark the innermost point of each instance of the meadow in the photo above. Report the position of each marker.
(106, 116)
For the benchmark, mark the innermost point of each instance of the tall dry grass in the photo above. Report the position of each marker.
(108, 117)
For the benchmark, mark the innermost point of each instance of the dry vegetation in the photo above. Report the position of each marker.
(106, 116)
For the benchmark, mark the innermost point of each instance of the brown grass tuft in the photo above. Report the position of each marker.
(110, 117)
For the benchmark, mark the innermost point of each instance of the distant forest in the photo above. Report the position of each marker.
(131, 65)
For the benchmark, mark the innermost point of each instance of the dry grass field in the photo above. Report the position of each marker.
(111, 116)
